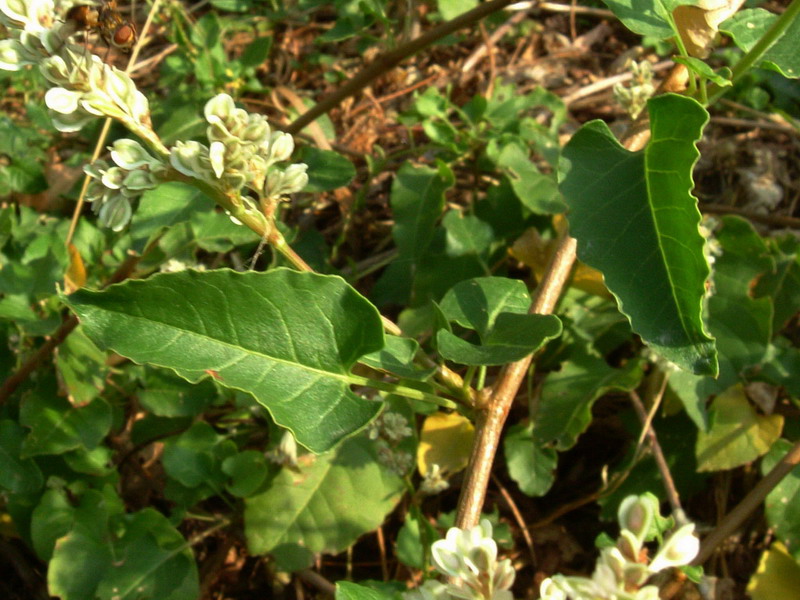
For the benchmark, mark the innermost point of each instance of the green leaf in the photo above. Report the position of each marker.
(247, 471)
(397, 357)
(636, 222)
(531, 465)
(335, 498)
(17, 475)
(568, 395)
(417, 202)
(701, 68)
(748, 26)
(166, 395)
(450, 9)
(782, 283)
(737, 434)
(467, 234)
(414, 540)
(497, 308)
(168, 204)
(58, 426)
(742, 324)
(647, 17)
(782, 501)
(215, 232)
(327, 170)
(52, 518)
(195, 457)
(346, 590)
(113, 556)
(537, 191)
(288, 338)
(82, 367)
(256, 52)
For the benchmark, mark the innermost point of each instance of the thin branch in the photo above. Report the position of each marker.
(390, 59)
(748, 505)
(492, 417)
(655, 447)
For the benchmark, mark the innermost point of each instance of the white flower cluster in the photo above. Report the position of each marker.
(242, 153)
(114, 188)
(622, 569)
(84, 86)
(470, 557)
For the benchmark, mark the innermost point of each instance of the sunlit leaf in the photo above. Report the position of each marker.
(737, 434)
(288, 338)
(777, 576)
(636, 221)
(445, 440)
(325, 507)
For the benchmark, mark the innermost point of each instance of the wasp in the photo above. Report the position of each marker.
(107, 21)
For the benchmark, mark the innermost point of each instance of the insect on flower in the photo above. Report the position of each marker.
(106, 20)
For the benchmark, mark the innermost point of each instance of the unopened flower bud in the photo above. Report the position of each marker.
(680, 549)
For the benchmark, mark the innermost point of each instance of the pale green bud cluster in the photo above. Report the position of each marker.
(469, 556)
(242, 153)
(434, 481)
(634, 97)
(113, 188)
(623, 569)
(388, 430)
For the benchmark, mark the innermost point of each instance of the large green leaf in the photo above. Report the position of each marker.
(288, 338)
(323, 508)
(636, 221)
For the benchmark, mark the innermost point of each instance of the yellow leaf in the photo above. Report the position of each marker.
(76, 273)
(698, 25)
(778, 575)
(737, 433)
(445, 440)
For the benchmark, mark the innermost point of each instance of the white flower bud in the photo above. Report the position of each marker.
(295, 178)
(281, 146)
(71, 122)
(216, 154)
(54, 69)
(115, 213)
(130, 154)
(681, 547)
(12, 55)
(219, 108)
(139, 181)
(62, 101)
(636, 514)
(188, 157)
(113, 178)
